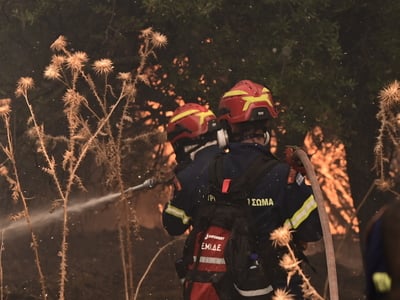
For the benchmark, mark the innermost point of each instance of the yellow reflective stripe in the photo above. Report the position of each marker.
(251, 99)
(234, 93)
(182, 115)
(264, 97)
(203, 115)
(241, 93)
(176, 212)
(265, 90)
(200, 114)
(382, 281)
(300, 215)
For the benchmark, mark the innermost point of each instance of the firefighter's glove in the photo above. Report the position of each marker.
(293, 161)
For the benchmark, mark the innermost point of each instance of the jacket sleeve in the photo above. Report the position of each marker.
(176, 216)
(302, 211)
(376, 271)
(190, 190)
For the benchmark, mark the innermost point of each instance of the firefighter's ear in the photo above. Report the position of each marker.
(222, 138)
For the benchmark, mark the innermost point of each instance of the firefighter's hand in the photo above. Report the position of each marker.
(294, 162)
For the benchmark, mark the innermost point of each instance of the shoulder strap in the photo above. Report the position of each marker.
(254, 173)
(244, 183)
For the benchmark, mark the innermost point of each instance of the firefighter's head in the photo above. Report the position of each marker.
(245, 110)
(191, 127)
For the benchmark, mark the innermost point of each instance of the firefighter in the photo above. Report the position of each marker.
(378, 281)
(382, 263)
(192, 132)
(245, 111)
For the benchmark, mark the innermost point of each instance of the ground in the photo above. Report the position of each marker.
(94, 264)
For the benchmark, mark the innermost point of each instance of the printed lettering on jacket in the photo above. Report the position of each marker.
(250, 201)
(260, 201)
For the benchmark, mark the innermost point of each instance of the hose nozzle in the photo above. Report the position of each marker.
(148, 183)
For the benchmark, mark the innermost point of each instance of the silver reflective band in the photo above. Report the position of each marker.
(252, 293)
(210, 260)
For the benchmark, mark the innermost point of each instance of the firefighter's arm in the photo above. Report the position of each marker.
(293, 161)
(302, 211)
(175, 218)
(301, 214)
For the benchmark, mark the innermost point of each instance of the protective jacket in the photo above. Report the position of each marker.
(274, 202)
(190, 191)
(378, 280)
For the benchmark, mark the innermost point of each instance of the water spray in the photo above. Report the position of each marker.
(41, 218)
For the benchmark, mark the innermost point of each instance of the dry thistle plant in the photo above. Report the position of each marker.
(281, 237)
(105, 138)
(14, 181)
(388, 138)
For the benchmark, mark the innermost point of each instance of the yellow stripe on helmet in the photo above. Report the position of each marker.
(200, 114)
(182, 115)
(203, 115)
(234, 93)
(251, 99)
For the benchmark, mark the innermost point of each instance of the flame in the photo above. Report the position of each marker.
(329, 160)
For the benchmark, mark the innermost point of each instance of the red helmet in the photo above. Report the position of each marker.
(247, 101)
(190, 121)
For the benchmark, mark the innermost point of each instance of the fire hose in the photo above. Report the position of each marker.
(327, 236)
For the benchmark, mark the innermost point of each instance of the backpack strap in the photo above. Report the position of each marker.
(244, 183)
(254, 173)
(229, 192)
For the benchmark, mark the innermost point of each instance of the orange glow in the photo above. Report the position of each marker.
(329, 160)
(169, 152)
(179, 100)
(273, 144)
(153, 104)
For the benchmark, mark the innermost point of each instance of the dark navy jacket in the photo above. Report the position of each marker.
(190, 191)
(375, 260)
(273, 203)
(376, 263)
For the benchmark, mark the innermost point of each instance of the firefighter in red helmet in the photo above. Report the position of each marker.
(246, 111)
(273, 201)
(192, 131)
